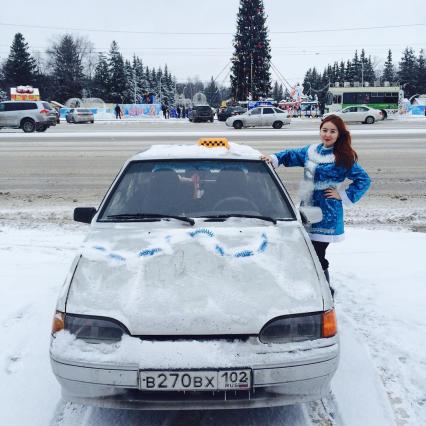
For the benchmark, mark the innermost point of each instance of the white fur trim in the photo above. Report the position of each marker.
(326, 184)
(345, 199)
(274, 160)
(326, 238)
(319, 158)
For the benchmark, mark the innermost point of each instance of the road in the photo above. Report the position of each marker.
(74, 164)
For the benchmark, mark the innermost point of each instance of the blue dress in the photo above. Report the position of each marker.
(320, 173)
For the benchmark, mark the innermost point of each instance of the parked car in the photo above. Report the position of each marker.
(80, 115)
(29, 116)
(201, 113)
(260, 117)
(361, 113)
(197, 287)
(224, 113)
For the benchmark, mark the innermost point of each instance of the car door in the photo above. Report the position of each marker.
(3, 115)
(350, 114)
(363, 112)
(10, 114)
(254, 117)
(268, 116)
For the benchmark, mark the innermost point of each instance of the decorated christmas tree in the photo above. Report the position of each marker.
(250, 77)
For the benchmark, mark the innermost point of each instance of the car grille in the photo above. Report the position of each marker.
(198, 338)
(193, 396)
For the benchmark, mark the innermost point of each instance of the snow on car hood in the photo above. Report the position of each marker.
(171, 279)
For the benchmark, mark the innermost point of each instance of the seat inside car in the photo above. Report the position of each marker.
(165, 194)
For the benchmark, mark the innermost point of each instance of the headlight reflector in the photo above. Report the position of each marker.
(298, 328)
(95, 329)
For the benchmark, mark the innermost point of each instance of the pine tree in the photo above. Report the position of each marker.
(252, 56)
(356, 68)
(389, 70)
(101, 79)
(277, 92)
(20, 66)
(212, 94)
(67, 68)
(407, 72)
(421, 73)
(349, 72)
(118, 78)
(342, 72)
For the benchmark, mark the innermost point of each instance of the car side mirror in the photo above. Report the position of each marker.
(84, 214)
(310, 214)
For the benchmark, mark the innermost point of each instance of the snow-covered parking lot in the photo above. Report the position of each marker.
(379, 276)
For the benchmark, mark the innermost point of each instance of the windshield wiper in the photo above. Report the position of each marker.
(154, 216)
(250, 216)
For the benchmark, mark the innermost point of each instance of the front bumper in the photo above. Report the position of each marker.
(281, 376)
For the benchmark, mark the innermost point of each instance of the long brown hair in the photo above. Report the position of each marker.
(344, 154)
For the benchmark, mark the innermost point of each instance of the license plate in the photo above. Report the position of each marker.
(195, 380)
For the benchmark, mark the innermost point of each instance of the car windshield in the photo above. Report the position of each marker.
(196, 188)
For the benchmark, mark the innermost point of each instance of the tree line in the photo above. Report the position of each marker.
(410, 73)
(72, 69)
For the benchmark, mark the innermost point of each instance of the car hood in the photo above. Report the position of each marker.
(222, 279)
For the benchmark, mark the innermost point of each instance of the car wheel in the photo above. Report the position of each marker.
(73, 120)
(369, 120)
(385, 114)
(41, 128)
(28, 126)
(277, 124)
(238, 124)
(211, 120)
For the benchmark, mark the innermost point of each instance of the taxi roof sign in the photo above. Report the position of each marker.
(213, 142)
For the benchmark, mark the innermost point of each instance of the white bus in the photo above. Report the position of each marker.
(388, 99)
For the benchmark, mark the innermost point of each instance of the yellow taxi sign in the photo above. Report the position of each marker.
(213, 143)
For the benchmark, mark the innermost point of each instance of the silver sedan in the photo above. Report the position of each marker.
(260, 117)
(361, 113)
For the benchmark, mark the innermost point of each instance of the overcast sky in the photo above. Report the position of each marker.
(298, 35)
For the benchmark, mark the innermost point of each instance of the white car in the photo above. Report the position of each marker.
(197, 287)
(260, 117)
(361, 113)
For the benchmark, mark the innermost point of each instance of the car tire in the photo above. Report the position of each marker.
(73, 120)
(369, 120)
(385, 114)
(211, 120)
(28, 125)
(237, 124)
(41, 128)
(277, 124)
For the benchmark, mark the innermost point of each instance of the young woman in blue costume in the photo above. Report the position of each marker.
(326, 166)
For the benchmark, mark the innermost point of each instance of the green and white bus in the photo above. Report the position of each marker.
(385, 98)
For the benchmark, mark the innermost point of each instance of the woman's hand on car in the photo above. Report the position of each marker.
(266, 158)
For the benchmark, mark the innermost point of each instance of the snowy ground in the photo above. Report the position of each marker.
(379, 276)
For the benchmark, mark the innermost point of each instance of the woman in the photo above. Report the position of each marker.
(327, 165)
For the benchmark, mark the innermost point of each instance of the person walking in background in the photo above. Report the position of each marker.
(326, 166)
(183, 111)
(117, 110)
(178, 111)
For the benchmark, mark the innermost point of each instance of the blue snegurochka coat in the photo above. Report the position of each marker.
(320, 173)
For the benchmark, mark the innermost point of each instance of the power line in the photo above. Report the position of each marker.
(207, 33)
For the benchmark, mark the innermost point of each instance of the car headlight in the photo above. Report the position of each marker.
(298, 328)
(94, 329)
